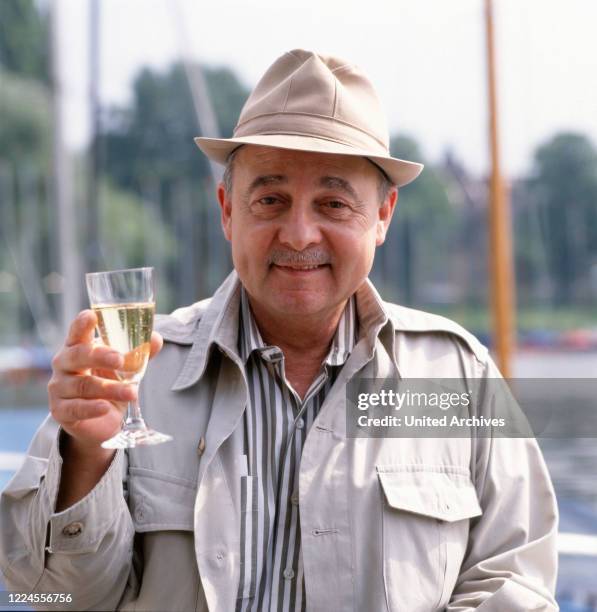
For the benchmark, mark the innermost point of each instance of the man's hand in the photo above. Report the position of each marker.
(89, 402)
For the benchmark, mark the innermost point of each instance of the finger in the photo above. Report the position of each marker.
(82, 329)
(156, 344)
(92, 387)
(80, 357)
(70, 410)
(104, 373)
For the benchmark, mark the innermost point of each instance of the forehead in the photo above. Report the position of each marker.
(256, 159)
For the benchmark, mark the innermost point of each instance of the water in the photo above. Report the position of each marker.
(17, 428)
(19, 425)
(5, 476)
(572, 462)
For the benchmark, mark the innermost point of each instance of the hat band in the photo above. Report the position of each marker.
(312, 126)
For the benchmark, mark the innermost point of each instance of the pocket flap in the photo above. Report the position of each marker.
(161, 502)
(437, 494)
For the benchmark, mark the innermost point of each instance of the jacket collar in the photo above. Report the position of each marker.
(213, 324)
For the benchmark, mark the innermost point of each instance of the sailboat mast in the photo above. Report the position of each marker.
(63, 181)
(500, 226)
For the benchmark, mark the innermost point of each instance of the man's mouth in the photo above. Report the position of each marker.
(300, 267)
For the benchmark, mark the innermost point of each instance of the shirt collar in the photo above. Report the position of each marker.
(219, 328)
(345, 336)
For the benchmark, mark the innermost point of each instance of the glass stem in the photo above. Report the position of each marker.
(134, 419)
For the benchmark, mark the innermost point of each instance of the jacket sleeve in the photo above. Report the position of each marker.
(511, 558)
(85, 550)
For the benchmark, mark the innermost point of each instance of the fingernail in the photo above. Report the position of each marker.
(115, 360)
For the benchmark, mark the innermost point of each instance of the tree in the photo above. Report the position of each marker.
(25, 129)
(563, 186)
(25, 133)
(414, 255)
(24, 39)
(24, 78)
(148, 149)
(154, 136)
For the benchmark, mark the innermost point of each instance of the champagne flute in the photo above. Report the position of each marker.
(124, 303)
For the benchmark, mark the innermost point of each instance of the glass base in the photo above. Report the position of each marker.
(138, 436)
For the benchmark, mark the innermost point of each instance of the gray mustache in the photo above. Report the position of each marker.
(313, 257)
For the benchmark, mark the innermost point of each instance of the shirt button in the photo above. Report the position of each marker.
(288, 573)
(72, 530)
(300, 424)
(294, 499)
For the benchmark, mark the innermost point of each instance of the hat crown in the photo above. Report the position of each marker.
(309, 94)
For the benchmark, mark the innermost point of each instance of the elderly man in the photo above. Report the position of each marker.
(263, 501)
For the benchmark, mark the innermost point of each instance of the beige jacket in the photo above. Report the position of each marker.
(410, 525)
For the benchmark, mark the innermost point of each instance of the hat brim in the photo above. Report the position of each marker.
(400, 171)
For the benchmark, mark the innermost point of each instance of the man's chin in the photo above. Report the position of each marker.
(295, 306)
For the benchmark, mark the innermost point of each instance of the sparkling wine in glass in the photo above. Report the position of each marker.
(124, 303)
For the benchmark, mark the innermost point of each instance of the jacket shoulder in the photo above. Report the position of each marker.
(412, 321)
(180, 324)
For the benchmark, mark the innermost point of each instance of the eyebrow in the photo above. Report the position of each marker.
(329, 182)
(266, 179)
(336, 182)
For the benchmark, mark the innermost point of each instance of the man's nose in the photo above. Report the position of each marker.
(299, 229)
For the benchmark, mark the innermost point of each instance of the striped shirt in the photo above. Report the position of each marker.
(276, 423)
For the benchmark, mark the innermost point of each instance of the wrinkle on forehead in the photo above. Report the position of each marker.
(266, 155)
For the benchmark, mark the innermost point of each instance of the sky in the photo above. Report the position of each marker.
(425, 58)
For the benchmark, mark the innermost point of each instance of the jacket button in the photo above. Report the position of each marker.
(294, 500)
(72, 530)
(288, 573)
(300, 424)
(139, 515)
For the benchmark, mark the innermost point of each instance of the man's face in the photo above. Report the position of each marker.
(303, 227)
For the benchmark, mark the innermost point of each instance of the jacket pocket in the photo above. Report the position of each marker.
(160, 502)
(425, 524)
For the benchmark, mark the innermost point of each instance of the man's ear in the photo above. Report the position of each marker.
(385, 212)
(226, 211)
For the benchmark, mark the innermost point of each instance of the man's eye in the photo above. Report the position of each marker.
(336, 204)
(268, 200)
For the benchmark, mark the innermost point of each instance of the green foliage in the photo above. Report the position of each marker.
(426, 201)
(25, 102)
(563, 190)
(149, 148)
(228, 96)
(25, 129)
(24, 39)
(127, 226)
(154, 137)
(561, 319)
(132, 235)
(423, 229)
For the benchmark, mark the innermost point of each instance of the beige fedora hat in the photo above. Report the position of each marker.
(311, 102)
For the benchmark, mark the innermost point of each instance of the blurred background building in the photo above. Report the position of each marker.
(100, 99)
